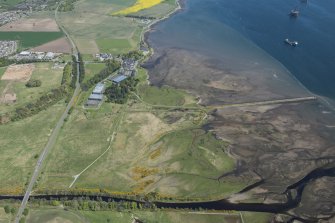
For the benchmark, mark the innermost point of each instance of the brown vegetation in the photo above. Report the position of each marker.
(20, 72)
(61, 45)
(31, 25)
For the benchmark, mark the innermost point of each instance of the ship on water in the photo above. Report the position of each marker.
(294, 13)
(292, 43)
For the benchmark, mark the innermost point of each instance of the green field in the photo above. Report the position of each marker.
(30, 39)
(95, 30)
(54, 215)
(9, 3)
(51, 78)
(59, 215)
(115, 46)
(2, 71)
(91, 69)
(21, 143)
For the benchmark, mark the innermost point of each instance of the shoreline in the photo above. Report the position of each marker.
(146, 30)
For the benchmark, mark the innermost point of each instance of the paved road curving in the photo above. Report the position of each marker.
(55, 132)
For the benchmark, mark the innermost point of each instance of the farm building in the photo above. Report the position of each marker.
(119, 79)
(99, 89)
(97, 96)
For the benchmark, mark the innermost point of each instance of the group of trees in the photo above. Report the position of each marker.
(67, 5)
(5, 62)
(74, 72)
(87, 204)
(141, 17)
(33, 83)
(42, 103)
(81, 68)
(119, 93)
(67, 75)
(111, 67)
(135, 54)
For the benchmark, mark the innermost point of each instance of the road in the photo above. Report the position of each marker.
(55, 132)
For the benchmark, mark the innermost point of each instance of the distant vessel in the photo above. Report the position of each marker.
(292, 43)
(294, 13)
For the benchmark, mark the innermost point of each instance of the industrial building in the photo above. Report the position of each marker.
(119, 79)
(97, 96)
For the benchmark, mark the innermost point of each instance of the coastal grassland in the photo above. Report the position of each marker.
(91, 69)
(50, 78)
(30, 39)
(153, 150)
(138, 6)
(162, 95)
(20, 144)
(255, 217)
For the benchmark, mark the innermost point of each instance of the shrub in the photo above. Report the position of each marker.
(33, 83)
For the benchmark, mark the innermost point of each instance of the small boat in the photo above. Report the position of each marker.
(294, 13)
(292, 43)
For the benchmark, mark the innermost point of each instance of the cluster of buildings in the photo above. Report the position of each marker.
(103, 56)
(97, 96)
(40, 56)
(11, 16)
(7, 48)
(128, 67)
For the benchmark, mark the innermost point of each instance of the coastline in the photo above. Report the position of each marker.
(146, 31)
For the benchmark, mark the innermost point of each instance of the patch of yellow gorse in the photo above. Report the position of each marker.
(138, 6)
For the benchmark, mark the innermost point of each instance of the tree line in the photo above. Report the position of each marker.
(74, 72)
(81, 68)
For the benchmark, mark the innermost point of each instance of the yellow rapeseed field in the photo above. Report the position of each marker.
(138, 6)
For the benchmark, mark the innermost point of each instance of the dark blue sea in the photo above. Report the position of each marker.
(247, 29)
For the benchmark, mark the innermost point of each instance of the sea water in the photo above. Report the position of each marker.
(253, 31)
